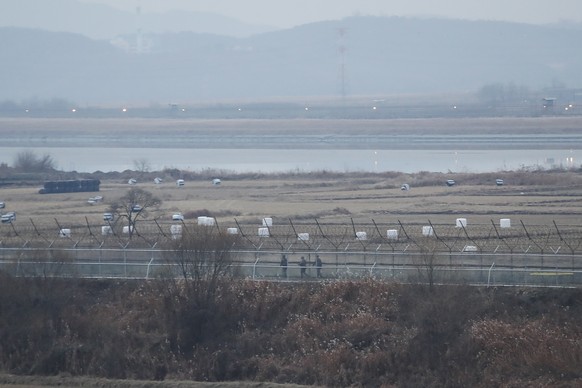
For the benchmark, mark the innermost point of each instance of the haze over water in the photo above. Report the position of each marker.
(286, 160)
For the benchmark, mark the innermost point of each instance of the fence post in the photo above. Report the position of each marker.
(372, 270)
(489, 274)
(148, 267)
(255, 267)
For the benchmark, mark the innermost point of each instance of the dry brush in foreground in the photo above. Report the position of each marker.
(330, 333)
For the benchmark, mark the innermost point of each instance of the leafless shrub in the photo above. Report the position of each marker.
(198, 273)
(142, 165)
(428, 261)
(29, 161)
(202, 257)
(43, 263)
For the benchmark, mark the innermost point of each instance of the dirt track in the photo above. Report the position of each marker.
(68, 381)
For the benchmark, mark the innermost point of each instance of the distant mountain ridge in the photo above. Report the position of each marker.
(98, 21)
(378, 55)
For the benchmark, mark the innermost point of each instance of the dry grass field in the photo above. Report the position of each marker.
(129, 126)
(535, 197)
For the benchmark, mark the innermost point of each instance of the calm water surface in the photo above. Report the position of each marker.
(283, 160)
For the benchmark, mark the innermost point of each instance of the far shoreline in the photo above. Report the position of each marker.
(389, 134)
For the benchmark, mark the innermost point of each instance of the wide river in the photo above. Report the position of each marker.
(89, 159)
(274, 146)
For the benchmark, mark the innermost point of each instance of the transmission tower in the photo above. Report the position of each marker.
(342, 49)
(139, 35)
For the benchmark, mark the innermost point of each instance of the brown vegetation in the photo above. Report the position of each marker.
(536, 197)
(332, 334)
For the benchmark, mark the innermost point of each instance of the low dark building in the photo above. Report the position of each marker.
(70, 186)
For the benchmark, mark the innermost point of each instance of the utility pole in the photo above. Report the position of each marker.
(139, 36)
(342, 32)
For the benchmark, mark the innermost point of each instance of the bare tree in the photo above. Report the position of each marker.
(142, 165)
(428, 262)
(202, 257)
(28, 161)
(134, 205)
(195, 286)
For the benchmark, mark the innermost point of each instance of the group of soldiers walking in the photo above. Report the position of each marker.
(302, 266)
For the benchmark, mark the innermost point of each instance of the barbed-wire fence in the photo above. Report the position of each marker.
(492, 253)
(293, 236)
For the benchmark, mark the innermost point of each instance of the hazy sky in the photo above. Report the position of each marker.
(288, 13)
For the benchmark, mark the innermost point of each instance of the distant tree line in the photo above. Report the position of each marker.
(36, 105)
(507, 99)
(498, 93)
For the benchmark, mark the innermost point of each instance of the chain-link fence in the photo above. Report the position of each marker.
(495, 253)
(562, 270)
